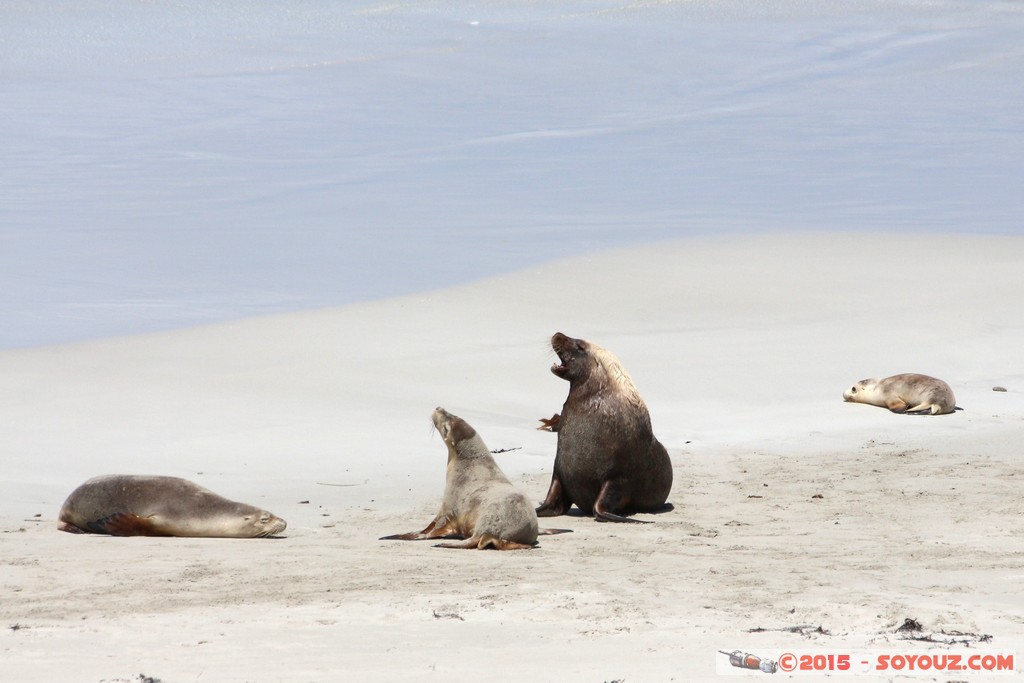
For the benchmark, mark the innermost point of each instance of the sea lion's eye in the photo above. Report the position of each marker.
(853, 390)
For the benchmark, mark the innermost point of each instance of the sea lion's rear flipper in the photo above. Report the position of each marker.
(125, 524)
(70, 528)
(486, 541)
(552, 532)
(421, 535)
(439, 528)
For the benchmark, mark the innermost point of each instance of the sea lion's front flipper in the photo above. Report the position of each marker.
(70, 528)
(125, 524)
(897, 405)
(511, 545)
(550, 424)
(605, 516)
(485, 541)
(555, 503)
(607, 500)
(552, 532)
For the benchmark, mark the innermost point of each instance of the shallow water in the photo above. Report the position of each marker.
(167, 165)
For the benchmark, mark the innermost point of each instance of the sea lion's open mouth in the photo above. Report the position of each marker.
(558, 342)
(559, 368)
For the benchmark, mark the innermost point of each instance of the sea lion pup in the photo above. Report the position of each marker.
(608, 461)
(138, 505)
(479, 504)
(907, 393)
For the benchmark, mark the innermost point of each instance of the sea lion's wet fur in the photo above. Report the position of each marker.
(479, 504)
(608, 462)
(906, 393)
(141, 505)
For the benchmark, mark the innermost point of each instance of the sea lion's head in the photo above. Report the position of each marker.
(575, 360)
(858, 391)
(260, 522)
(452, 428)
(220, 518)
(589, 367)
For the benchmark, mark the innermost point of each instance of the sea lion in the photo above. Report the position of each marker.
(140, 505)
(479, 504)
(607, 461)
(907, 393)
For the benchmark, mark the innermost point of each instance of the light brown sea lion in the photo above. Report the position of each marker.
(608, 461)
(907, 393)
(479, 504)
(139, 505)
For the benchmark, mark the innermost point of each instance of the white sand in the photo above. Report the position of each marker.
(741, 347)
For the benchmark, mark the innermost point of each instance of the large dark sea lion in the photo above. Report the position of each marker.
(479, 504)
(608, 462)
(139, 505)
(907, 393)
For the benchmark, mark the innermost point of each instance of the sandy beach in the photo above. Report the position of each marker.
(800, 522)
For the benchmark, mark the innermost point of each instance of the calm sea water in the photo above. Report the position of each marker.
(172, 164)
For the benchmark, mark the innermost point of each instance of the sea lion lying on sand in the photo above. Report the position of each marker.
(907, 393)
(139, 505)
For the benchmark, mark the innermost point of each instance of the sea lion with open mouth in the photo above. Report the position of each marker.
(608, 462)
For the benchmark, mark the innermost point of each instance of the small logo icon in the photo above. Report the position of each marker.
(745, 660)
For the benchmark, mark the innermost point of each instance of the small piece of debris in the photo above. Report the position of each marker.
(803, 629)
(755, 496)
(817, 495)
(506, 450)
(303, 502)
(16, 627)
(998, 388)
(951, 638)
(909, 625)
(447, 615)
